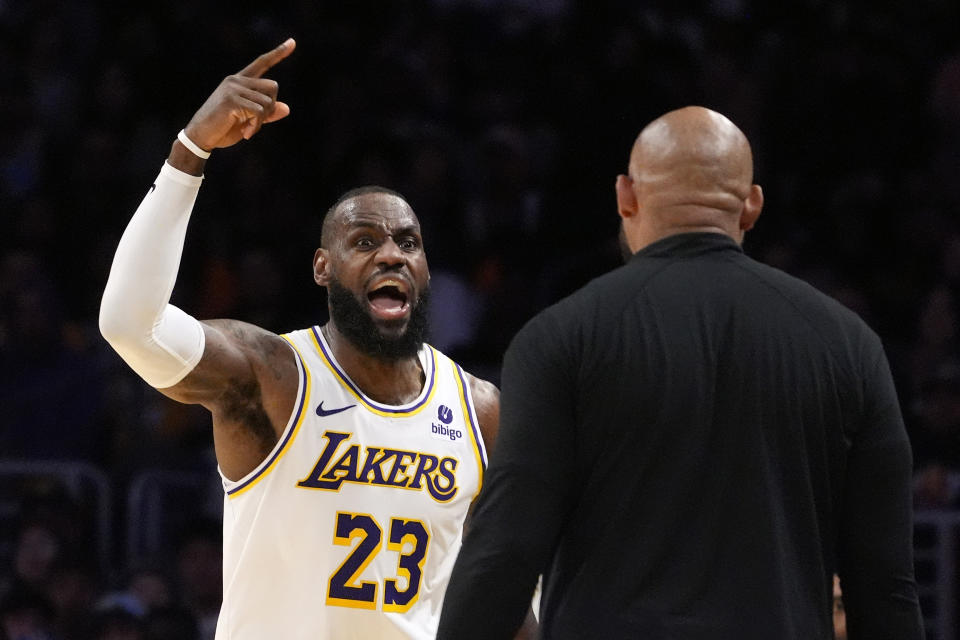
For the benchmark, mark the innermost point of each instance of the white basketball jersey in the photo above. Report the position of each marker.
(351, 526)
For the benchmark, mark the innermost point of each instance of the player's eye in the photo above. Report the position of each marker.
(364, 242)
(409, 244)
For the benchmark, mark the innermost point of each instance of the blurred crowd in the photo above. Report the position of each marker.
(504, 123)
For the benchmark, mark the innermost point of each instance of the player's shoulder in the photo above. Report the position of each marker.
(305, 333)
(483, 391)
(308, 343)
(485, 396)
(486, 401)
(247, 336)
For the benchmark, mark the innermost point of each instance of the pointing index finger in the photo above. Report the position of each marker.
(266, 60)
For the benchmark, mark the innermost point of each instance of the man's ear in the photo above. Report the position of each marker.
(626, 198)
(751, 208)
(321, 267)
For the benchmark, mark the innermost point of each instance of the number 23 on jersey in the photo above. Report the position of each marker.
(408, 538)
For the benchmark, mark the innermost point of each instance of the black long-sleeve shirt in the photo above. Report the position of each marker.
(690, 446)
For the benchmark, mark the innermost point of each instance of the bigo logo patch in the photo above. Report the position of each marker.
(445, 414)
(444, 430)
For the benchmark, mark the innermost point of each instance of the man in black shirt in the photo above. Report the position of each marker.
(693, 444)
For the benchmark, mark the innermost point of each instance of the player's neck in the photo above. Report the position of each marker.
(393, 382)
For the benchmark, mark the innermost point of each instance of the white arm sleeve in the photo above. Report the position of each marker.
(159, 341)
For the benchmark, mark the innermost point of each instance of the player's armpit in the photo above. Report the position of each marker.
(248, 379)
(237, 359)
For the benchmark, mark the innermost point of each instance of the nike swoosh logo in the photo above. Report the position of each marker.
(323, 413)
(152, 187)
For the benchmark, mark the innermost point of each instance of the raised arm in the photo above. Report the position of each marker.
(246, 376)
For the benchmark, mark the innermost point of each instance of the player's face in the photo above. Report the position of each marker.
(378, 257)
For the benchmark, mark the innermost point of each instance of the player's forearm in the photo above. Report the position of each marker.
(160, 342)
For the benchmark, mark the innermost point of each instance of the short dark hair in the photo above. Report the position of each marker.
(352, 193)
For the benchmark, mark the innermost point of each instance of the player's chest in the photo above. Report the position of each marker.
(346, 448)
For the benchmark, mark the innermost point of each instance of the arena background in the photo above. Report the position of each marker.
(504, 123)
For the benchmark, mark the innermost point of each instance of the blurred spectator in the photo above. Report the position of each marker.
(73, 589)
(171, 623)
(118, 622)
(945, 107)
(508, 202)
(50, 379)
(454, 312)
(200, 573)
(937, 337)
(152, 587)
(26, 615)
(38, 549)
(936, 436)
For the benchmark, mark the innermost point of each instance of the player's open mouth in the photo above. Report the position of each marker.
(388, 299)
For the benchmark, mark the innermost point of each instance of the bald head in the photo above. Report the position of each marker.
(690, 169)
(694, 149)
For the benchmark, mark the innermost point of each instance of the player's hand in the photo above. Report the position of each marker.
(241, 104)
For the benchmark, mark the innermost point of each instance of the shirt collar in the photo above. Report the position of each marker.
(688, 244)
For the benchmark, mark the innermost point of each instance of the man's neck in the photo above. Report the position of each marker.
(393, 382)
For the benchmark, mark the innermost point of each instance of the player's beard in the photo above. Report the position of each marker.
(354, 321)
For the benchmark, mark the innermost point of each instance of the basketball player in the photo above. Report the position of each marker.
(350, 452)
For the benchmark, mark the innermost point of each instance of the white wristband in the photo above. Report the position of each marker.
(193, 146)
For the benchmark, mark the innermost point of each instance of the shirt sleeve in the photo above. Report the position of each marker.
(159, 341)
(526, 493)
(876, 523)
